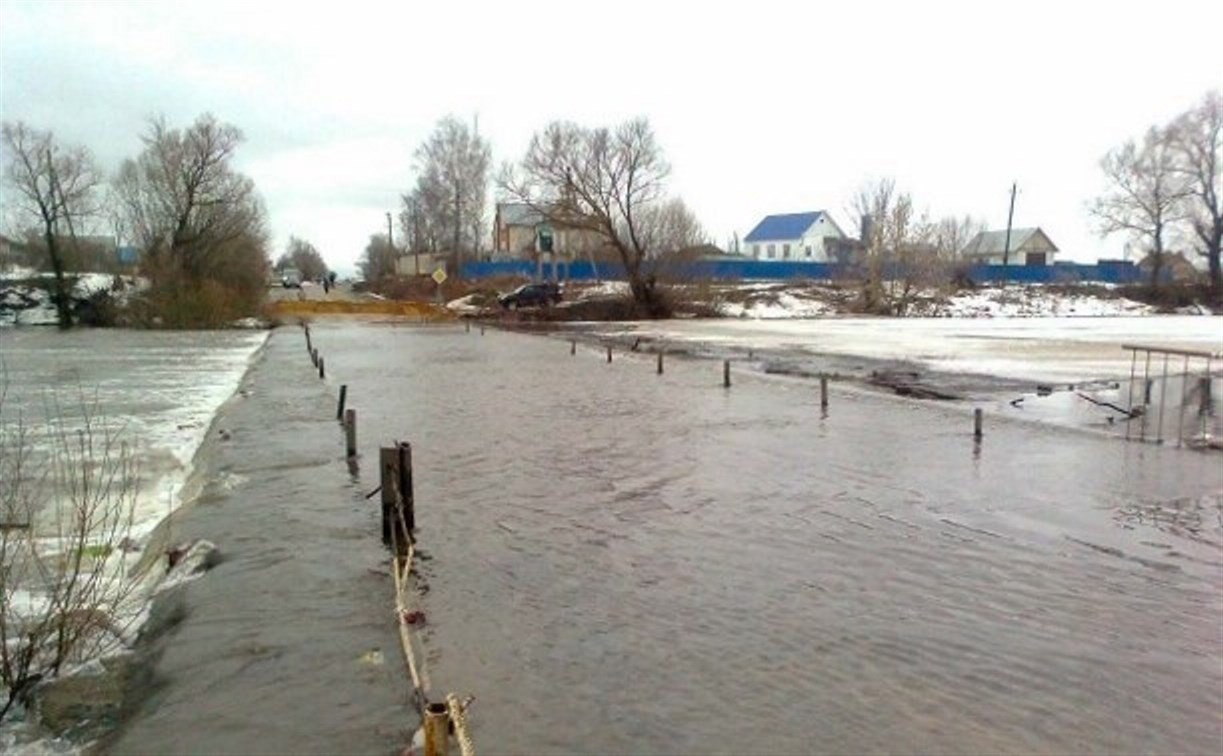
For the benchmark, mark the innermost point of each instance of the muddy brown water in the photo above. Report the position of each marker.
(624, 562)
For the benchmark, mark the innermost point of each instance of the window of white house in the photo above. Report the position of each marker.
(756, 251)
(772, 248)
(808, 250)
(785, 251)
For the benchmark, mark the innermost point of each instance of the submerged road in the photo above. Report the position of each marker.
(288, 646)
(617, 561)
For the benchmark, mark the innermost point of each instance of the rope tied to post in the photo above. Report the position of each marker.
(458, 718)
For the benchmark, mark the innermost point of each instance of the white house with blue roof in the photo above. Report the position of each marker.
(797, 237)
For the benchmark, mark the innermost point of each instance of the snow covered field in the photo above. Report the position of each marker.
(1053, 350)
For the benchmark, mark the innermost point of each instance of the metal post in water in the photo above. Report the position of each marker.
(467, 325)
(1163, 396)
(339, 413)
(1130, 407)
(437, 729)
(1205, 401)
(660, 363)
(725, 373)
(609, 354)
(1180, 430)
(978, 416)
(350, 433)
(481, 330)
(321, 373)
(823, 392)
(573, 347)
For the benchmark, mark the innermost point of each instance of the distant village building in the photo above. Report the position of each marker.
(808, 237)
(516, 229)
(1028, 246)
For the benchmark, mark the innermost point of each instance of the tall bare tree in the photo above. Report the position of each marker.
(446, 208)
(378, 261)
(897, 241)
(670, 226)
(58, 185)
(951, 235)
(1197, 138)
(183, 199)
(1146, 196)
(302, 255)
(602, 180)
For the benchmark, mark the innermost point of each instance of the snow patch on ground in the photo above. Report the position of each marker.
(602, 290)
(1037, 302)
(468, 305)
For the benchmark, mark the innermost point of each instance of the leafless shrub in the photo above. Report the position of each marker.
(67, 497)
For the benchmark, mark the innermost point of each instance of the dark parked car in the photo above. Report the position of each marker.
(529, 295)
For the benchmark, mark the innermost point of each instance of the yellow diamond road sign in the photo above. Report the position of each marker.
(439, 275)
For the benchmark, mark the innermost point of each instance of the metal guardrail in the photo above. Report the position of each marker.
(1195, 376)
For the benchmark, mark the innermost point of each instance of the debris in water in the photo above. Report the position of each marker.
(372, 658)
(414, 617)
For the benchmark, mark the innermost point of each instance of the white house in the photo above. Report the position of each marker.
(1027, 246)
(793, 236)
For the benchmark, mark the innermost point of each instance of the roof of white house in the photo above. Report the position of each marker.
(783, 227)
(994, 242)
(519, 214)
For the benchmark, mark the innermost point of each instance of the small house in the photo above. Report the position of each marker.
(1027, 246)
(807, 237)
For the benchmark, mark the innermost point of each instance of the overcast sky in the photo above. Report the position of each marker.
(760, 107)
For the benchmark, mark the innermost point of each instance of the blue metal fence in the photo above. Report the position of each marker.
(1105, 271)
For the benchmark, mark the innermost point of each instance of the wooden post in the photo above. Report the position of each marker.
(321, 372)
(977, 416)
(388, 463)
(726, 373)
(1146, 392)
(573, 347)
(823, 392)
(749, 355)
(609, 354)
(350, 433)
(481, 330)
(437, 729)
(314, 356)
(406, 492)
(1205, 400)
(339, 412)
(467, 323)
(660, 363)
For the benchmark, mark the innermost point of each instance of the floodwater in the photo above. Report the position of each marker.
(154, 391)
(617, 561)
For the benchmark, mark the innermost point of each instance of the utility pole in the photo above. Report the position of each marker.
(1006, 248)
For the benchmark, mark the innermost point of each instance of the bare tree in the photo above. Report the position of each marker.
(59, 186)
(1197, 139)
(670, 226)
(183, 199)
(897, 244)
(1146, 195)
(601, 180)
(446, 208)
(302, 255)
(378, 261)
(951, 235)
